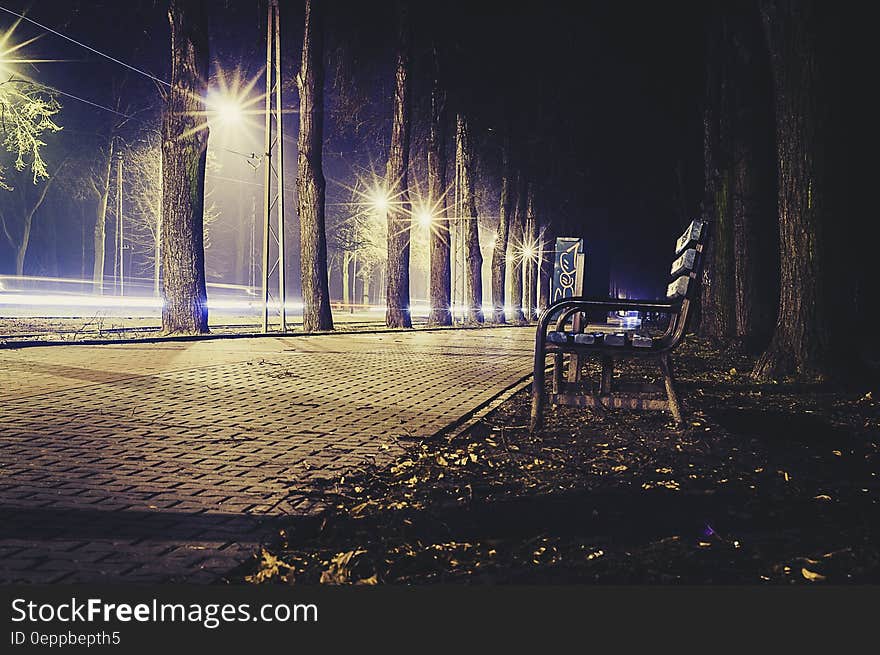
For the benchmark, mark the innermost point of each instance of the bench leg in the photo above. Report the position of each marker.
(537, 417)
(574, 368)
(607, 375)
(558, 360)
(671, 396)
(574, 359)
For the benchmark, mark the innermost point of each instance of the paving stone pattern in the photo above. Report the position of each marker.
(150, 463)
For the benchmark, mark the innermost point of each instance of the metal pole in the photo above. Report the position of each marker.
(279, 173)
(121, 232)
(267, 173)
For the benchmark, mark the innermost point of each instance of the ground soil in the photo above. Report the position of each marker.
(769, 484)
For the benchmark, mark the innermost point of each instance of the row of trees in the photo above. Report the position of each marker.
(183, 166)
(773, 279)
(778, 276)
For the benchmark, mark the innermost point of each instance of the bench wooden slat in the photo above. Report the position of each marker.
(678, 288)
(691, 235)
(557, 337)
(685, 263)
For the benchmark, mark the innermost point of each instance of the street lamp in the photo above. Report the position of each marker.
(379, 200)
(224, 110)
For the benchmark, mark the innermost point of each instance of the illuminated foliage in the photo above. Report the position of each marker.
(26, 114)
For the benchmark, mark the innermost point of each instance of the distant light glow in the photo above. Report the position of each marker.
(87, 301)
(425, 218)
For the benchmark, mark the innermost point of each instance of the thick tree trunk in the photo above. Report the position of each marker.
(474, 280)
(440, 291)
(157, 258)
(399, 222)
(184, 149)
(717, 300)
(755, 233)
(100, 235)
(802, 345)
(516, 240)
(499, 249)
(310, 184)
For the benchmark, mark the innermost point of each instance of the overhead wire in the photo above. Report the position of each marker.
(87, 47)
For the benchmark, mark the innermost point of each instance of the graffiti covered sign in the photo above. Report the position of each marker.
(568, 269)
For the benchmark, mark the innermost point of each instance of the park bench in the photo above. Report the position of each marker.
(564, 332)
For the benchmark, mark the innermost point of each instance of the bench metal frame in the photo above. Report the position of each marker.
(568, 390)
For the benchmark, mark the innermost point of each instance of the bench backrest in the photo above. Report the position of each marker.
(684, 274)
(688, 255)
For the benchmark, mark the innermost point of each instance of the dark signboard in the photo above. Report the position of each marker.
(568, 269)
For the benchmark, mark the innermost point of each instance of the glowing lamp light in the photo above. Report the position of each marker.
(225, 110)
(529, 252)
(425, 218)
(379, 200)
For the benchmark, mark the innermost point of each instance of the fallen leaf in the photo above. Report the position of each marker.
(359, 509)
(812, 576)
(338, 571)
(269, 567)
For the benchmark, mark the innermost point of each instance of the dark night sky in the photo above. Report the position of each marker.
(608, 92)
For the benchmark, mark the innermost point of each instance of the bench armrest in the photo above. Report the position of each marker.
(563, 309)
(584, 304)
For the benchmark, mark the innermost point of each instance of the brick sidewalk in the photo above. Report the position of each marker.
(172, 461)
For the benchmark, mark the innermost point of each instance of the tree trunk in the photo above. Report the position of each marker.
(101, 222)
(440, 292)
(516, 240)
(157, 257)
(530, 256)
(20, 246)
(473, 300)
(398, 215)
(242, 240)
(310, 184)
(755, 232)
(82, 243)
(545, 273)
(184, 150)
(346, 277)
(717, 301)
(499, 249)
(801, 346)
